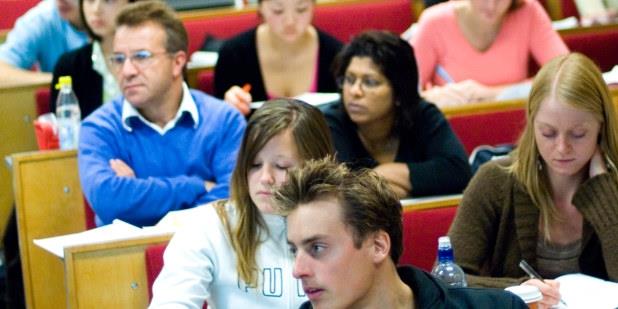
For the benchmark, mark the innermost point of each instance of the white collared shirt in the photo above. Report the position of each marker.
(186, 105)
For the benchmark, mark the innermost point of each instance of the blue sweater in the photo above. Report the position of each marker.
(170, 169)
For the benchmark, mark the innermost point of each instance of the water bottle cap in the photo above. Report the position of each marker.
(444, 241)
(64, 80)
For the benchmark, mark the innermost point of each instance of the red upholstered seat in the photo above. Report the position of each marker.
(600, 46)
(154, 264)
(421, 229)
(341, 20)
(206, 81)
(42, 97)
(13, 9)
(488, 128)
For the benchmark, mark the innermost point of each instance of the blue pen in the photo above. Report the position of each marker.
(444, 74)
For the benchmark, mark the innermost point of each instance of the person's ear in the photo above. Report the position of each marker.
(381, 246)
(179, 61)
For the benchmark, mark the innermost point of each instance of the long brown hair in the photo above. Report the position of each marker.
(577, 81)
(312, 138)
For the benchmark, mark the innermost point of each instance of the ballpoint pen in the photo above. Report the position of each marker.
(533, 274)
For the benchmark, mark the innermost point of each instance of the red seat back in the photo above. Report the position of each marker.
(154, 264)
(42, 97)
(90, 224)
(343, 21)
(13, 9)
(491, 128)
(421, 229)
(600, 46)
(206, 81)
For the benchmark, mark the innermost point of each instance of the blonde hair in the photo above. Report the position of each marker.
(577, 81)
(312, 138)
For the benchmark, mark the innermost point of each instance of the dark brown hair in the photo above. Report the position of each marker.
(367, 204)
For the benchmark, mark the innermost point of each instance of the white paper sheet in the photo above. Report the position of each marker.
(581, 291)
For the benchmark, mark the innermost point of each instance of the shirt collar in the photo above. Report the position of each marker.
(187, 105)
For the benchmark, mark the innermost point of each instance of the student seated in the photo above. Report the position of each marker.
(160, 146)
(39, 38)
(234, 253)
(553, 203)
(382, 123)
(345, 230)
(284, 56)
(93, 79)
(469, 51)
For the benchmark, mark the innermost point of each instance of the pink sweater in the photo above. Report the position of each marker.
(439, 42)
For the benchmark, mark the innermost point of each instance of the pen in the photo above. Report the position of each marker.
(533, 274)
(441, 71)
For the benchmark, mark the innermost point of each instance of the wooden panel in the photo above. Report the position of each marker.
(17, 111)
(109, 275)
(48, 203)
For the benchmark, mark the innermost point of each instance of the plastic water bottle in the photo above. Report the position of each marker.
(446, 269)
(68, 115)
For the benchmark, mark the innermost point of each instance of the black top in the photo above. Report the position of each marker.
(87, 83)
(437, 161)
(238, 64)
(429, 292)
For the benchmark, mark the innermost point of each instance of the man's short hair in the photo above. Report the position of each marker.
(367, 203)
(141, 12)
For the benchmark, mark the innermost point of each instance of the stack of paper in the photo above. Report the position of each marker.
(118, 230)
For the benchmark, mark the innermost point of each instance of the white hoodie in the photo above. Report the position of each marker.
(200, 264)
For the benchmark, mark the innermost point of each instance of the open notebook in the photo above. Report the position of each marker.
(583, 291)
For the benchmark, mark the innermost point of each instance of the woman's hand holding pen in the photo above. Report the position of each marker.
(466, 91)
(550, 290)
(239, 98)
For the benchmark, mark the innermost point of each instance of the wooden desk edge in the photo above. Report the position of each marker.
(70, 251)
(432, 203)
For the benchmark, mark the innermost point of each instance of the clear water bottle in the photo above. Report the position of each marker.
(68, 115)
(446, 269)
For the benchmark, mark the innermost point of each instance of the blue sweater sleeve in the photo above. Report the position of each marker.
(139, 201)
(231, 131)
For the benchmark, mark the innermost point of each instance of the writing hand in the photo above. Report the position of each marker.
(121, 169)
(239, 98)
(550, 290)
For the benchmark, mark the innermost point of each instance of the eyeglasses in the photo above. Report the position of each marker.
(366, 83)
(140, 59)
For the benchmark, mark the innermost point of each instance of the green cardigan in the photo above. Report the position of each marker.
(497, 225)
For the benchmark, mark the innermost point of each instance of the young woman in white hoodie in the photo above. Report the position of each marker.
(234, 253)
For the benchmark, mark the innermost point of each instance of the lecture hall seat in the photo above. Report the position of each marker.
(421, 229)
(154, 264)
(488, 128)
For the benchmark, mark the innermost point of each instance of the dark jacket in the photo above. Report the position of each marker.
(431, 293)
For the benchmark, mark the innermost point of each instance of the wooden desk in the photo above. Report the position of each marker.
(17, 111)
(108, 275)
(49, 202)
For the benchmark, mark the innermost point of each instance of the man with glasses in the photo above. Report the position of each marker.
(161, 146)
(39, 38)
(345, 230)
